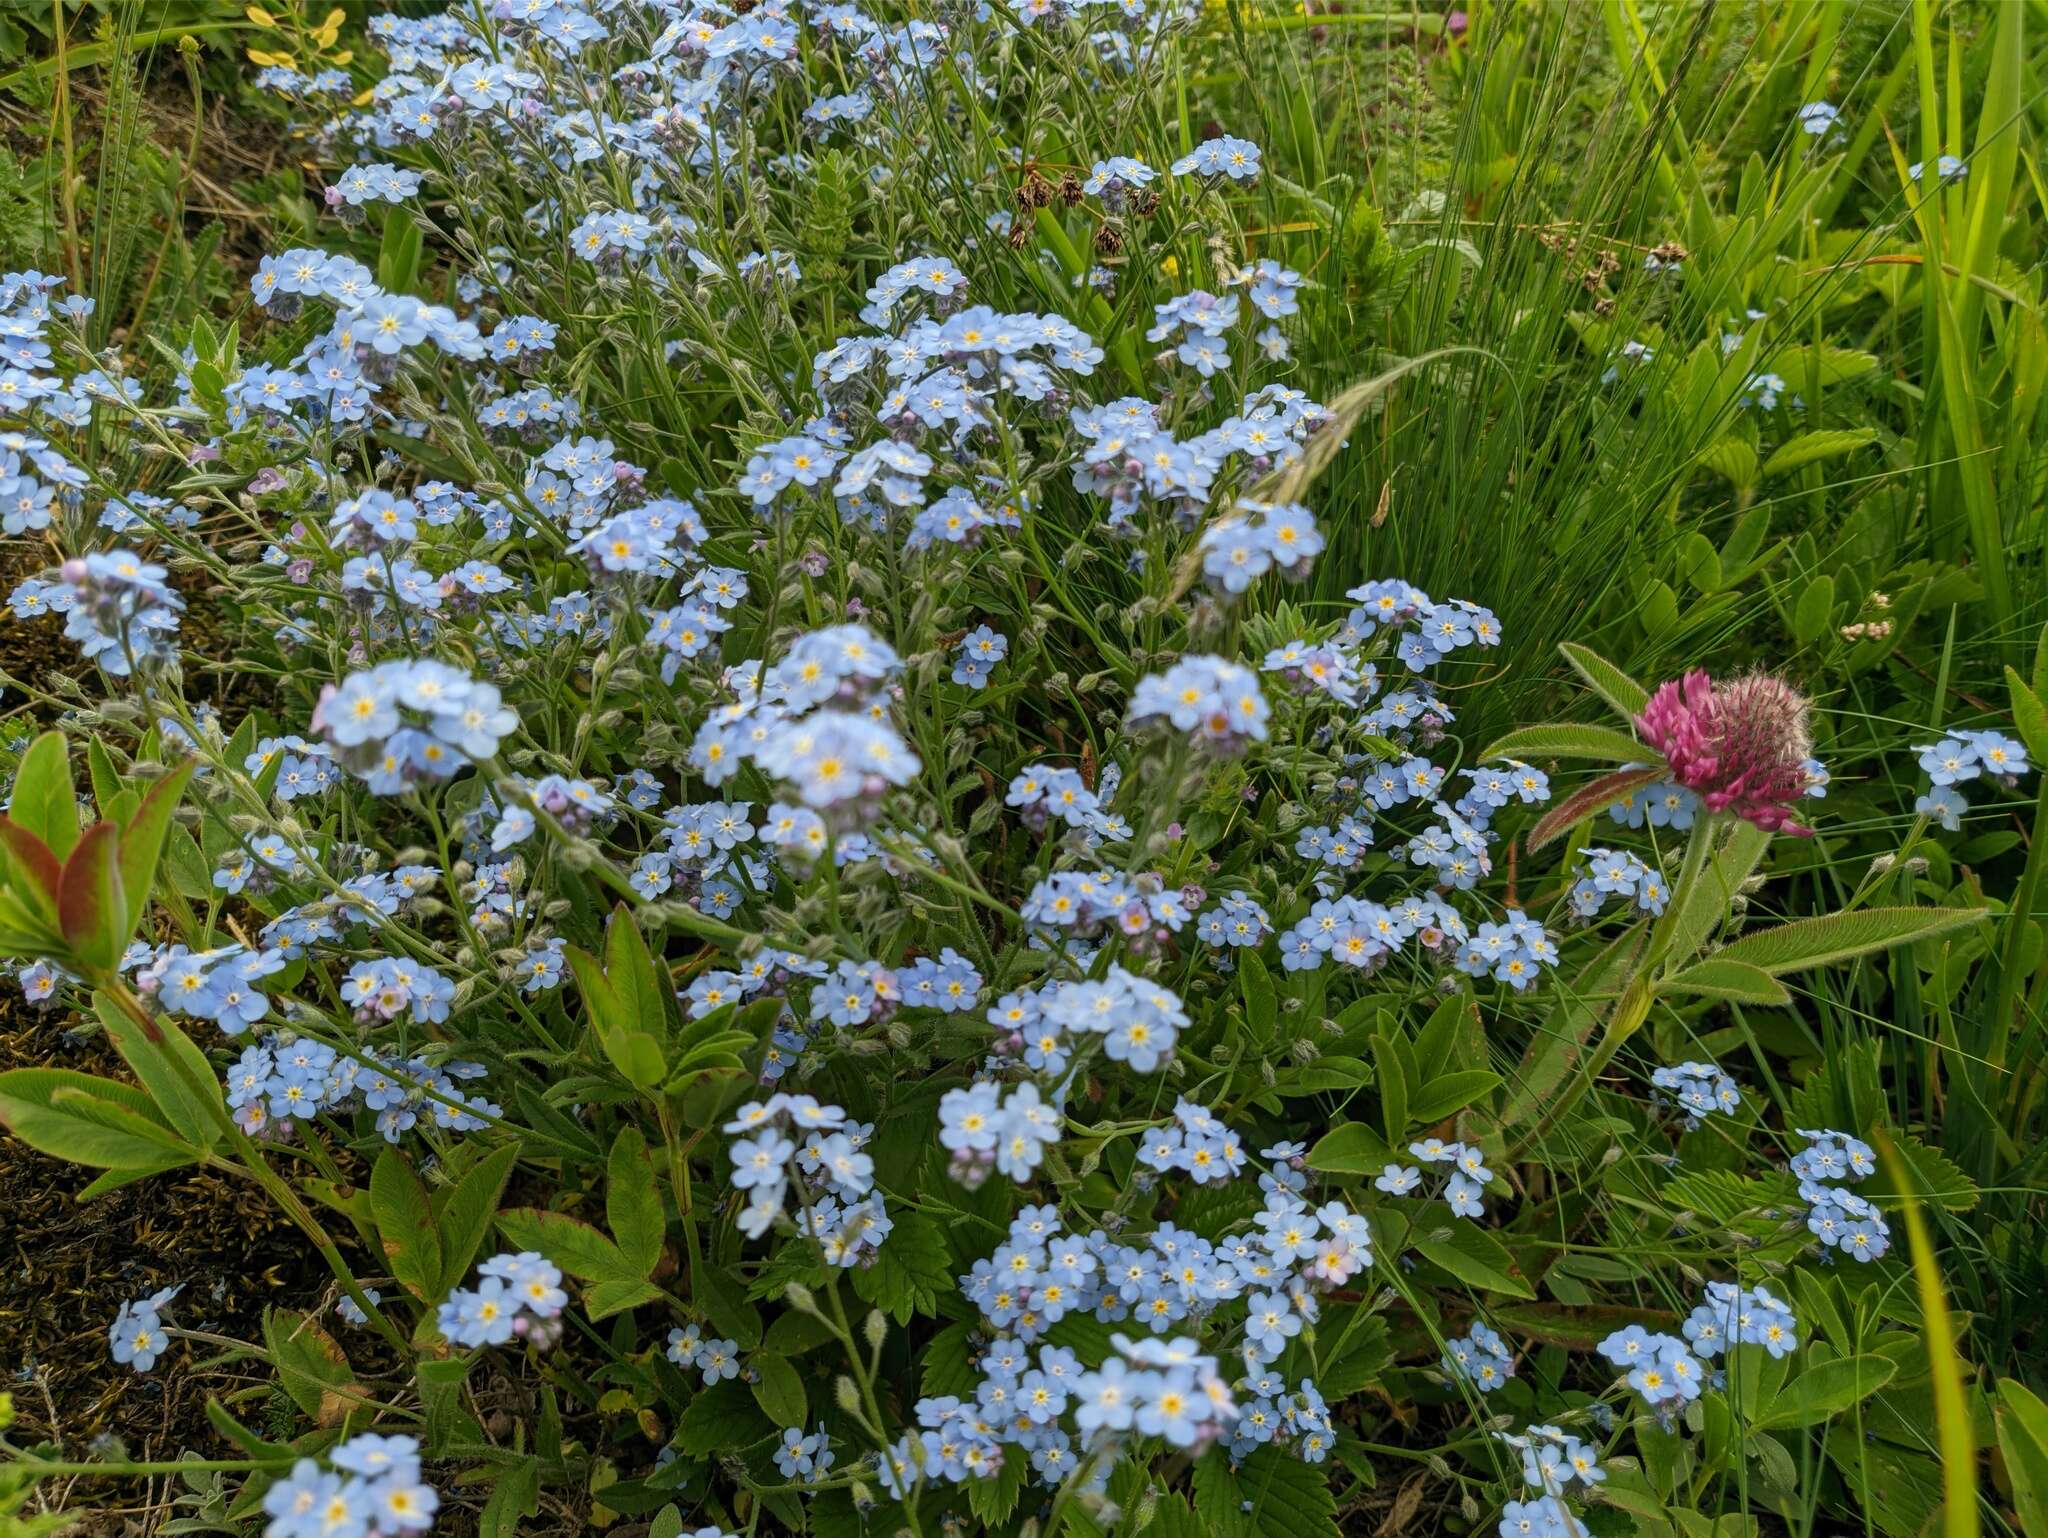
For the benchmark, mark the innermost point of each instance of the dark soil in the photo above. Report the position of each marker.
(66, 1267)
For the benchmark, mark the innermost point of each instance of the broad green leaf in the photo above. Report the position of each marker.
(1451, 1092)
(90, 902)
(1566, 739)
(1474, 1257)
(724, 1301)
(1734, 981)
(1352, 1149)
(142, 843)
(465, 1214)
(1623, 693)
(1393, 1081)
(405, 1224)
(88, 1120)
(1324, 1074)
(632, 1051)
(106, 778)
(1269, 1494)
(2029, 715)
(1813, 611)
(43, 801)
(312, 1367)
(1812, 448)
(1733, 460)
(515, 1494)
(607, 1011)
(574, 1245)
(1826, 1389)
(2022, 1421)
(994, 1498)
(912, 1269)
(1261, 1003)
(632, 1201)
(721, 1419)
(779, 1391)
(171, 1067)
(1816, 942)
(630, 968)
(614, 1297)
(1935, 1175)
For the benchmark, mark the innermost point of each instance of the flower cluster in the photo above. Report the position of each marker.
(401, 722)
(1480, 1358)
(1698, 1089)
(1845, 1223)
(1552, 1460)
(374, 1489)
(1960, 757)
(846, 1216)
(519, 1295)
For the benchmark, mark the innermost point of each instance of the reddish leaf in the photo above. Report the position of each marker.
(32, 857)
(1589, 800)
(89, 900)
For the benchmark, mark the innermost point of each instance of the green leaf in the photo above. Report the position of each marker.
(1261, 1002)
(1732, 459)
(633, 1201)
(515, 1493)
(1352, 1149)
(1393, 1080)
(142, 843)
(2029, 714)
(1451, 1092)
(171, 1067)
(1812, 448)
(725, 1302)
(1826, 1389)
(106, 779)
(1325, 1073)
(633, 1052)
(312, 1367)
(1271, 1494)
(405, 1224)
(1364, 1353)
(1734, 981)
(90, 902)
(1624, 694)
(912, 1269)
(1836, 937)
(1474, 1257)
(1816, 607)
(778, 1390)
(466, 1212)
(2022, 1422)
(994, 1498)
(616, 1296)
(570, 1243)
(43, 801)
(629, 965)
(88, 1120)
(720, 1419)
(1566, 739)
